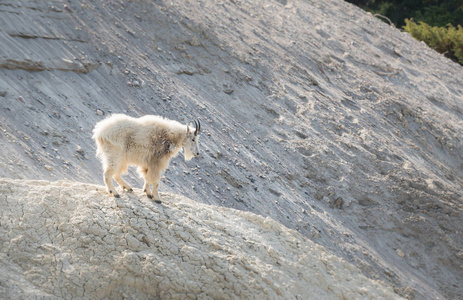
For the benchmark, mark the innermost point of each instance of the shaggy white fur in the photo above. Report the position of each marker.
(148, 142)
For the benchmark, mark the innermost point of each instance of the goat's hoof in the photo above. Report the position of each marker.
(150, 196)
(114, 194)
(130, 190)
(158, 201)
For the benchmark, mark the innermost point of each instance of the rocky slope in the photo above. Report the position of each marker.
(314, 114)
(66, 240)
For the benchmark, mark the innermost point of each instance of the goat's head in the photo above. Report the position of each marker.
(191, 145)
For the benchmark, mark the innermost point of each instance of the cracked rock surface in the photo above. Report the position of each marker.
(70, 240)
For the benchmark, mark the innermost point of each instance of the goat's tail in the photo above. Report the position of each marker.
(99, 147)
(99, 142)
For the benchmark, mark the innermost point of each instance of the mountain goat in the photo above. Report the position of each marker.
(148, 142)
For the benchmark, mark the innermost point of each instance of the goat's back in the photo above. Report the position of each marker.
(118, 129)
(161, 123)
(115, 129)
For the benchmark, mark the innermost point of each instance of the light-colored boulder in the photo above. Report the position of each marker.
(71, 240)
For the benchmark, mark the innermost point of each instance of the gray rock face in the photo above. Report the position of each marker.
(66, 240)
(313, 113)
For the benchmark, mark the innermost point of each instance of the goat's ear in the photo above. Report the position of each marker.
(187, 129)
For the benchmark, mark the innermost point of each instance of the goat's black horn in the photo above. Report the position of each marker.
(196, 127)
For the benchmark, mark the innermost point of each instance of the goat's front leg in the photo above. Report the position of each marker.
(152, 176)
(155, 194)
(157, 198)
(155, 182)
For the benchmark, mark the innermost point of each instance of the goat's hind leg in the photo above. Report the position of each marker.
(147, 189)
(121, 181)
(110, 166)
(108, 180)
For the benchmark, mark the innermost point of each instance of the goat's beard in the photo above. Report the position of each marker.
(188, 155)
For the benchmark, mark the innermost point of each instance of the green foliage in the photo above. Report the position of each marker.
(441, 15)
(448, 40)
(433, 12)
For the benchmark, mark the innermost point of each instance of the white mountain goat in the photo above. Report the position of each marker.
(148, 142)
